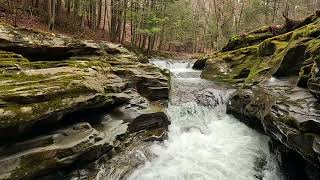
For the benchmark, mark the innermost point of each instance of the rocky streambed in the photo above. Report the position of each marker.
(203, 141)
(72, 109)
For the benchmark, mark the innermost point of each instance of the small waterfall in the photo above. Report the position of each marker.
(173, 64)
(204, 142)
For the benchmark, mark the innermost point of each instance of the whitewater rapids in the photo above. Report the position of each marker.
(204, 142)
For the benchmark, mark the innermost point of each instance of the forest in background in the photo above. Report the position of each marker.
(193, 26)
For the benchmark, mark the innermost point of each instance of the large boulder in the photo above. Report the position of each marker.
(248, 39)
(37, 93)
(31, 97)
(200, 64)
(141, 114)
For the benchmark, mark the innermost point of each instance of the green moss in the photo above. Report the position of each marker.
(21, 77)
(313, 47)
(43, 94)
(285, 53)
(15, 115)
(34, 164)
(311, 30)
(249, 39)
(29, 165)
(290, 121)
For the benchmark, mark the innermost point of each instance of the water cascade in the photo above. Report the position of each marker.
(204, 142)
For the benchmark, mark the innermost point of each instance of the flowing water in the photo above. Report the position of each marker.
(204, 142)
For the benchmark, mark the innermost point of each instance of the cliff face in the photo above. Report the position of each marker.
(279, 84)
(66, 101)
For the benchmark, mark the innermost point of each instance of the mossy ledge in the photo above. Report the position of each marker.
(273, 56)
(278, 81)
(58, 95)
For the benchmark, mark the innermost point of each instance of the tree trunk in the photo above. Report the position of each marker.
(113, 21)
(49, 10)
(68, 4)
(37, 4)
(124, 21)
(105, 15)
(59, 3)
(161, 38)
(75, 9)
(149, 44)
(99, 14)
(51, 13)
(131, 22)
(94, 15)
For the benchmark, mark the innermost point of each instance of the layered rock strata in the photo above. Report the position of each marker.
(277, 77)
(67, 102)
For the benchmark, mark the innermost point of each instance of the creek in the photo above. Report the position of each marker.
(205, 143)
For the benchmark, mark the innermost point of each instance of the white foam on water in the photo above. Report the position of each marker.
(173, 64)
(207, 144)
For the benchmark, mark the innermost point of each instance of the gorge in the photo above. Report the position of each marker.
(78, 109)
(203, 141)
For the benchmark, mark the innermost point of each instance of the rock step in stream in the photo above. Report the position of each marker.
(203, 141)
(73, 109)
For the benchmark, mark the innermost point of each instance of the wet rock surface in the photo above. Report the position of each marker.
(291, 116)
(118, 163)
(37, 156)
(65, 103)
(203, 93)
(200, 64)
(277, 76)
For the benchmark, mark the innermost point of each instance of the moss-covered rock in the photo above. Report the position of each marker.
(49, 82)
(268, 68)
(29, 96)
(38, 156)
(38, 45)
(280, 55)
(248, 39)
(34, 93)
(257, 36)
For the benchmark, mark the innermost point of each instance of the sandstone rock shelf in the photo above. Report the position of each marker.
(65, 101)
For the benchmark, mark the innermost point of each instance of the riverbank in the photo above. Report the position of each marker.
(68, 103)
(277, 77)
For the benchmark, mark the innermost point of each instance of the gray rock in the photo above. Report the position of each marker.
(288, 114)
(200, 64)
(35, 157)
(56, 112)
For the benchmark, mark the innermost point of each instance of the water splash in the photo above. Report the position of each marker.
(204, 142)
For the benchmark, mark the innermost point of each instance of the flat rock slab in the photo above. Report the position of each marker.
(35, 157)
